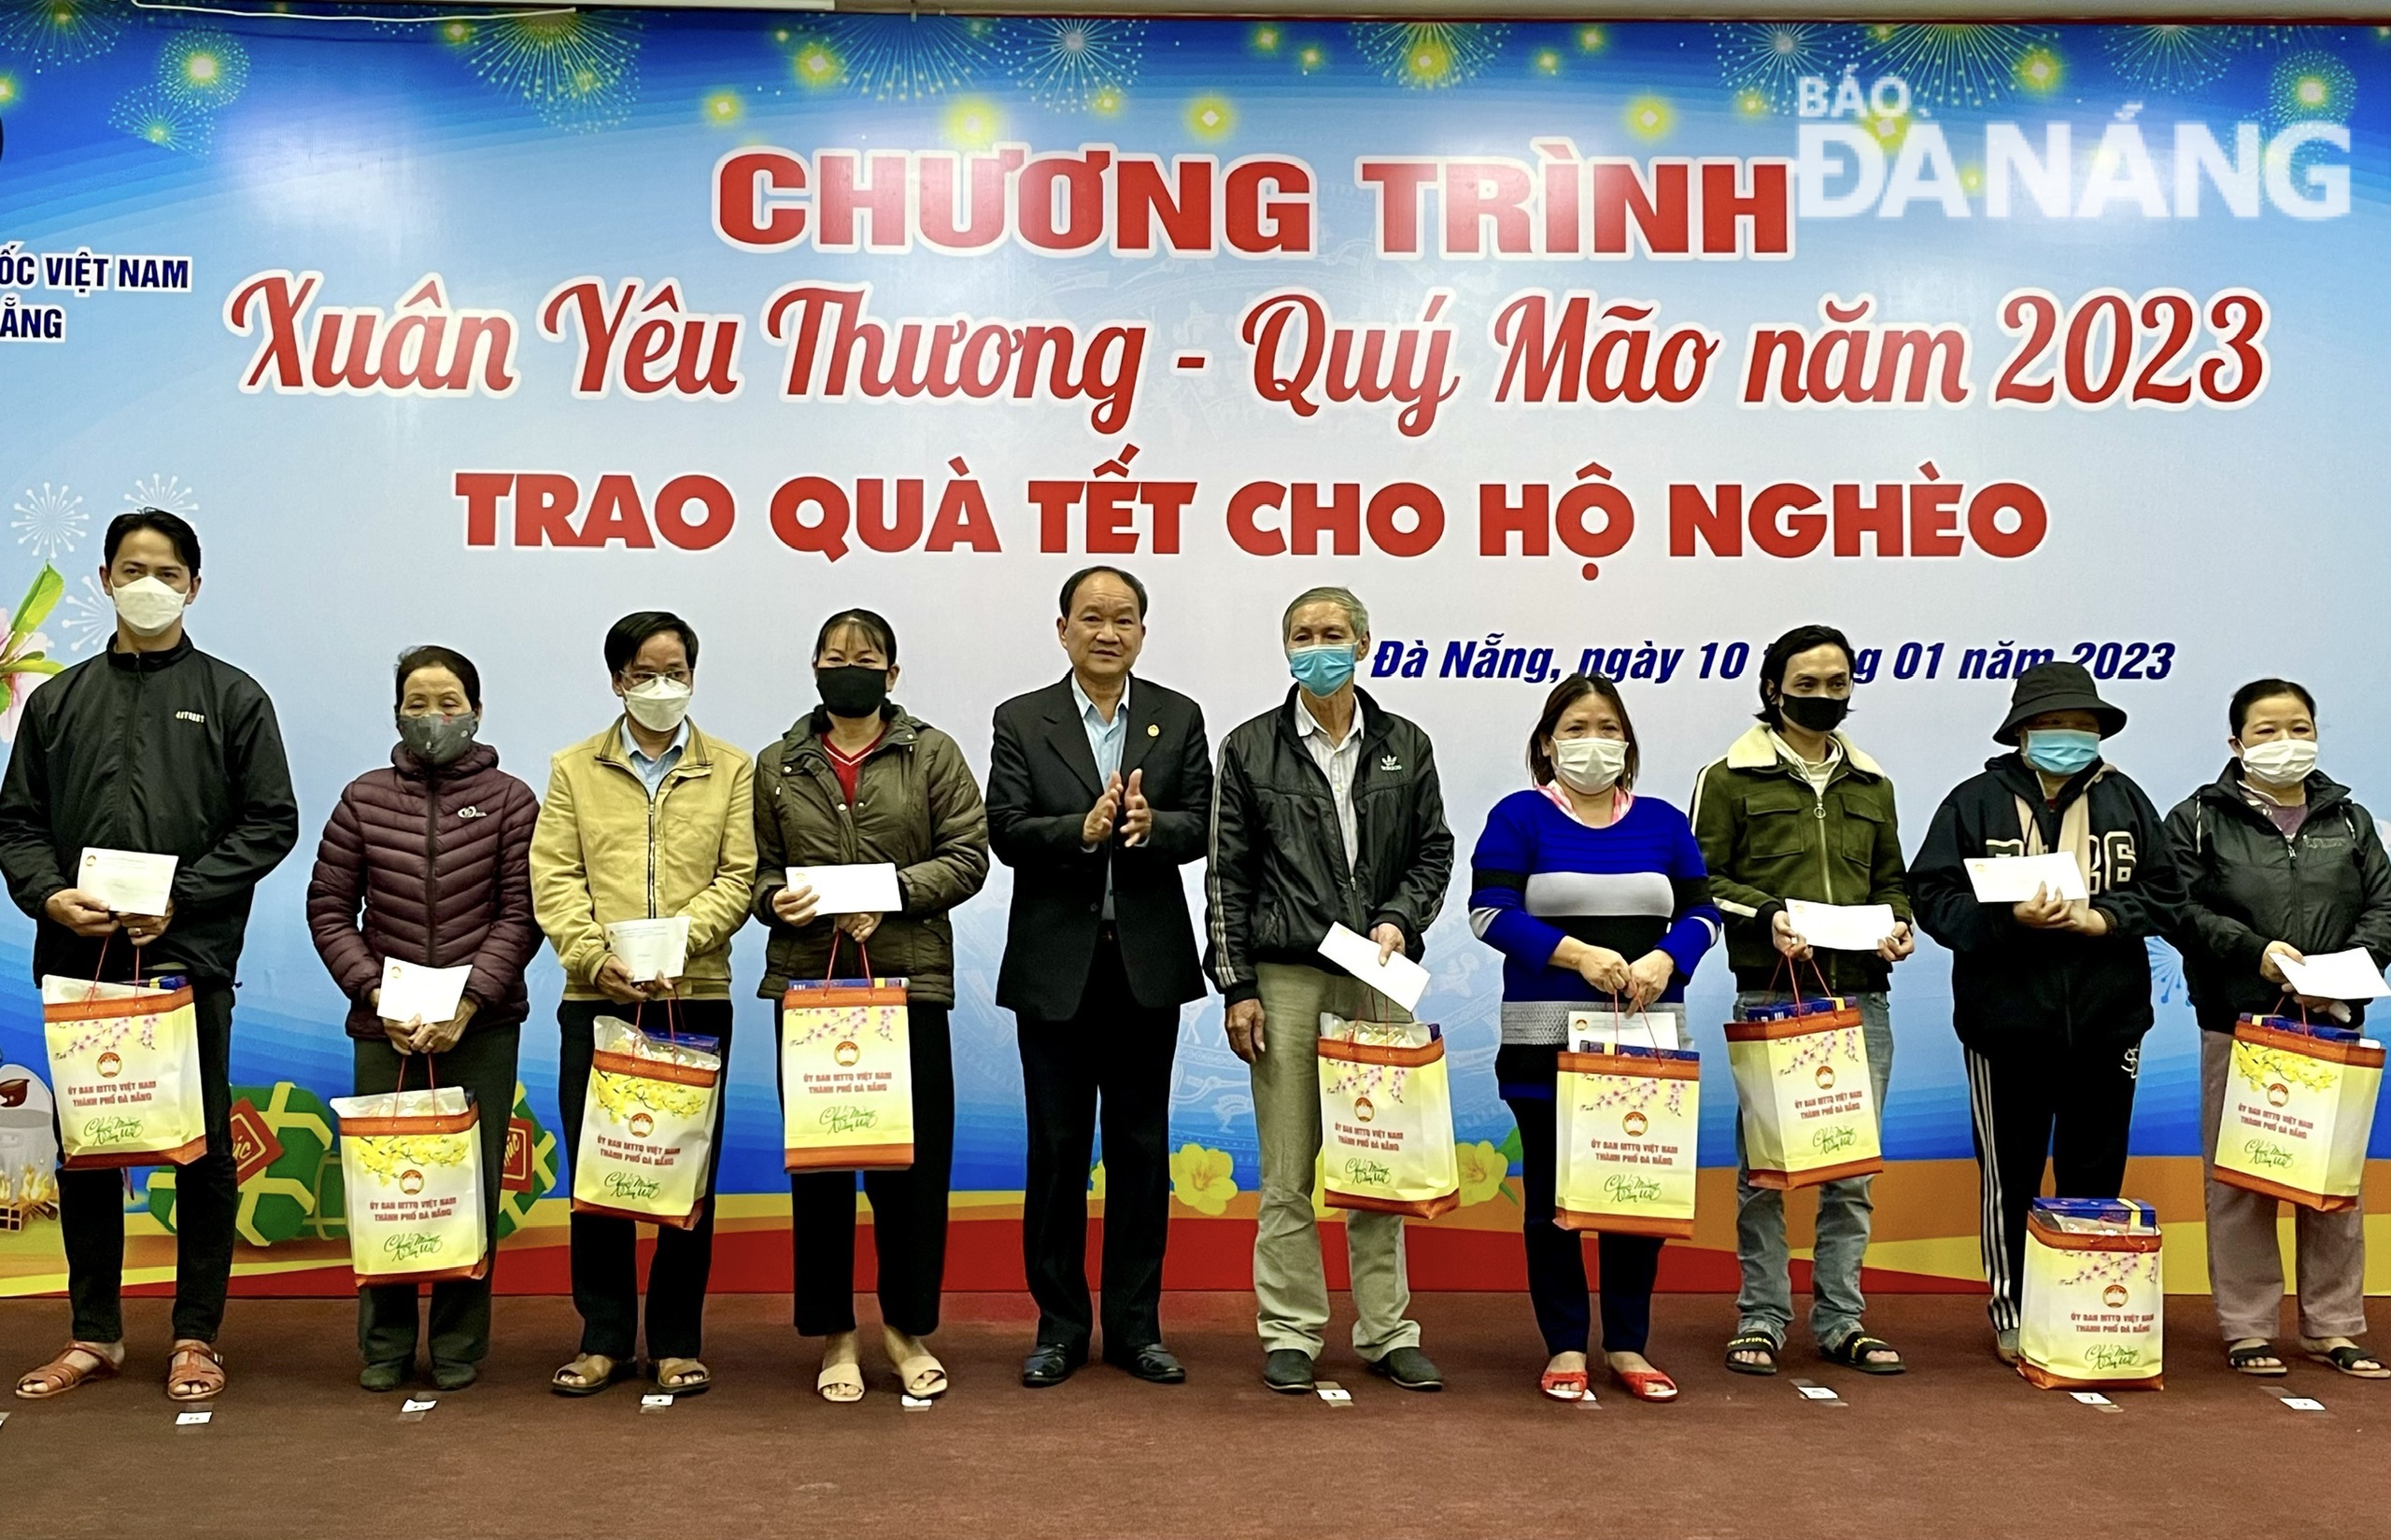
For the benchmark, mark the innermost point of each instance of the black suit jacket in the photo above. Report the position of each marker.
(1041, 782)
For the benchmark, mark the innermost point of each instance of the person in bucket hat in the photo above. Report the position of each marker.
(2050, 996)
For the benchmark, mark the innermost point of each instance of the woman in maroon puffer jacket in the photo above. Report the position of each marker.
(428, 862)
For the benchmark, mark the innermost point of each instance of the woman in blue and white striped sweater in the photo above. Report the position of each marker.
(1596, 897)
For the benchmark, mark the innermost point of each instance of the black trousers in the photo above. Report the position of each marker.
(908, 1208)
(1556, 1257)
(483, 1062)
(1115, 1055)
(2072, 1109)
(207, 1200)
(605, 1249)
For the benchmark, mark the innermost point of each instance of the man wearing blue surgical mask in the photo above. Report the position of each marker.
(1326, 812)
(2050, 996)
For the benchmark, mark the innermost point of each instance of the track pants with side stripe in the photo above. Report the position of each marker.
(2069, 1108)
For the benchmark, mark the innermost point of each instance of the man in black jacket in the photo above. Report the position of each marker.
(1098, 791)
(2050, 997)
(153, 746)
(1326, 812)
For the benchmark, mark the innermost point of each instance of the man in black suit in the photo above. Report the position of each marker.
(1099, 789)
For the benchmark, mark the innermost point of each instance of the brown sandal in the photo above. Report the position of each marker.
(196, 1372)
(62, 1374)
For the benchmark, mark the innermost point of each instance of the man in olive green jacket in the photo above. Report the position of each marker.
(1796, 811)
(648, 820)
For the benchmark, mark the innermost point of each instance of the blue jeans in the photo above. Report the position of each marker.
(1766, 1303)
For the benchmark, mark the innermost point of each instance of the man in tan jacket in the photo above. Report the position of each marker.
(650, 819)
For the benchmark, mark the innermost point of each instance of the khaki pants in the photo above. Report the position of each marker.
(1290, 1283)
(2245, 1259)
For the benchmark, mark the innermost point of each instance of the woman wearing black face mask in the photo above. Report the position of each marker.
(860, 781)
(429, 861)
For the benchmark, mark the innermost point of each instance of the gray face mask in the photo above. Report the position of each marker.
(438, 739)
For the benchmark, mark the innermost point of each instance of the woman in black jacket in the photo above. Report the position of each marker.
(2282, 864)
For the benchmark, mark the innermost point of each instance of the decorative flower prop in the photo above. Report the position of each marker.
(1483, 1169)
(1203, 1179)
(23, 660)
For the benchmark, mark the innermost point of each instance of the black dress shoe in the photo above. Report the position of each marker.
(1153, 1363)
(1288, 1371)
(1409, 1368)
(1051, 1365)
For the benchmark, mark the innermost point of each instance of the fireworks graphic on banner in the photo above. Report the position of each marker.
(8, 92)
(1951, 63)
(87, 618)
(972, 122)
(1069, 64)
(579, 70)
(203, 69)
(153, 115)
(2311, 87)
(50, 520)
(904, 58)
(2174, 58)
(42, 33)
(1211, 118)
(815, 63)
(1771, 57)
(1429, 55)
(168, 494)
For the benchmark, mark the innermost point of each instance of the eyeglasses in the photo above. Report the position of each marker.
(640, 677)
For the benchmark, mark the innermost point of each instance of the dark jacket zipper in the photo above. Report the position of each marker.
(431, 866)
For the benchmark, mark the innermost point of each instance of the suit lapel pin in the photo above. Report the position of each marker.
(1153, 729)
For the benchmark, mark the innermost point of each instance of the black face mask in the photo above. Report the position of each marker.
(1814, 713)
(855, 691)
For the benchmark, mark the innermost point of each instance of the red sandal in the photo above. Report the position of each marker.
(1646, 1384)
(1564, 1384)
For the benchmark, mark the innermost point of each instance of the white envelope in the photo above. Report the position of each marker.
(2012, 878)
(1840, 927)
(1593, 1031)
(1399, 979)
(414, 993)
(651, 949)
(129, 881)
(2337, 976)
(851, 890)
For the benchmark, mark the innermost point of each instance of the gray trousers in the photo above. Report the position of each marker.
(1290, 1284)
(2245, 1255)
(1846, 1210)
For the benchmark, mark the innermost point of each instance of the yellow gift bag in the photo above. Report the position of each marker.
(1809, 1102)
(124, 1068)
(1386, 1118)
(846, 1074)
(2094, 1309)
(2299, 1102)
(411, 1169)
(647, 1125)
(1628, 1117)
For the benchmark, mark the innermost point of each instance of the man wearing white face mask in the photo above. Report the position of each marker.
(157, 747)
(2283, 865)
(1327, 810)
(648, 820)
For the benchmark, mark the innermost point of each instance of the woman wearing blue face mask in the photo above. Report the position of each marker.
(2051, 997)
